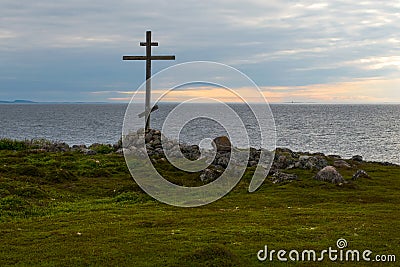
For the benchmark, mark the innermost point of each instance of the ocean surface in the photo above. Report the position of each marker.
(372, 131)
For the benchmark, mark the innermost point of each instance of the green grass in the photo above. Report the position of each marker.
(70, 209)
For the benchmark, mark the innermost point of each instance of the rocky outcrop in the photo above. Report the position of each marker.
(329, 174)
(284, 158)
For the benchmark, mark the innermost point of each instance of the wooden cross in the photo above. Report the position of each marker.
(148, 57)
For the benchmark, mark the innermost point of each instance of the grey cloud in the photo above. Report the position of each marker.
(274, 42)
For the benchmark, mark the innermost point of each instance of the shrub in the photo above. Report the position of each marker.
(60, 175)
(29, 170)
(8, 144)
(101, 148)
(30, 192)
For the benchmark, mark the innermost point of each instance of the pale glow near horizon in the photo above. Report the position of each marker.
(369, 90)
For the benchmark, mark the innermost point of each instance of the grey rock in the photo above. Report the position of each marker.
(223, 162)
(360, 174)
(159, 152)
(357, 158)
(341, 164)
(254, 154)
(283, 161)
(149, 147)
(78, 148)
(88, 151)
(311, 162)
(281, 177)
(252, 163)
(157, 143)
(329, 174)
(210, 174)
(148, 137)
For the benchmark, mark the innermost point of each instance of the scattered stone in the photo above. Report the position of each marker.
(252, 163)
(222, 143)
(341, 164)
(281, 177)
(329, 174)
(311, 163)
(357, 158)
(360, 174)
(283, 161)
(191, 152)
(88, 152)
(78, 148)
(254, 154)
(388, 164)
(148, 137)
(210, 174)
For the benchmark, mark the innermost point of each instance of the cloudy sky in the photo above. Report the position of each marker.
(313, 51)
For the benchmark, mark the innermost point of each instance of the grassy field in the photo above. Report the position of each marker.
(70, 209)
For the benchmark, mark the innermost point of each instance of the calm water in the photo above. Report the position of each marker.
(369, 130)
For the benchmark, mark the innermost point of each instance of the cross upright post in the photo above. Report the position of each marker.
(149, 57)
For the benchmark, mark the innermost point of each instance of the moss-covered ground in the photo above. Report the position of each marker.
(70, 209)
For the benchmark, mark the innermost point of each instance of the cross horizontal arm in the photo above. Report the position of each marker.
(134, 58)
(151, 58)
(162, 57)
(151, 44)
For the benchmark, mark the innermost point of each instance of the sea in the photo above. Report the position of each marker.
(372, 131)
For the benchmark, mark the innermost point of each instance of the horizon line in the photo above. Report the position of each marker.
(176, 102)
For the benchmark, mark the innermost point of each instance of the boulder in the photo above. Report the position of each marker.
(329, 174)
(360, 174)
(222, 143)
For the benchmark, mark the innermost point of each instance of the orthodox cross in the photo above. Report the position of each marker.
(148, 57)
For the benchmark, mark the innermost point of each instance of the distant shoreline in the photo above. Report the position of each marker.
(28, 102)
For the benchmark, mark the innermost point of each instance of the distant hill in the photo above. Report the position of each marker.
(17, 102)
